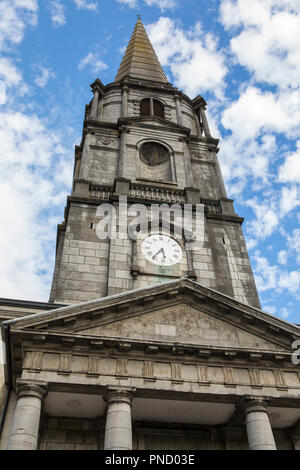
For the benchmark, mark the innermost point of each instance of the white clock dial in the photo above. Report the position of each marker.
(161, 250)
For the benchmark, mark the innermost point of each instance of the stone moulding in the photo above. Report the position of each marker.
(95, 368)
(211, 353)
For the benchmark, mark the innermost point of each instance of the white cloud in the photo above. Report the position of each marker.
(15, 15)
(293, 242)
(289, 281)
(28, 187)
(270, 212)
(268, 44)
(44, 75)
(32, 163)
(269, 309)
(2, 93)
(130, 3)
(284, 313)
(57, 12)
(289, 171)
(9, 72)
(258, 111)
(265, 39)
(86, 5)
(290, 199)
(244, 159)
(162, 4)
(274, 277)
(93, 61)
(192, 55)
(282, 256)
(266, 220)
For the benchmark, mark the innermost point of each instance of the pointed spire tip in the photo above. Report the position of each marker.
(140, 60)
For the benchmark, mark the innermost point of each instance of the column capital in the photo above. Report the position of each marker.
(119, 395)
(31, 389)
(97, 86)
(123, 129)
(254, 403)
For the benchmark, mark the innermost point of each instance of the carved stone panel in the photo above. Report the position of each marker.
(202, 372)
(93, 366)
(64, 367)
(255, 378)
(148, 371)
(176, 373)
(121, 368)
(33, 361)
(229, 378)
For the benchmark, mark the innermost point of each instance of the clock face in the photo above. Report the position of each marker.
(161, 250)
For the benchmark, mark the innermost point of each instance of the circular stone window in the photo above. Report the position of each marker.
(153, 153)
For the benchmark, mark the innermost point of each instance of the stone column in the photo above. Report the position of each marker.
(259, 431)
(151, 107)
(222, 189)
(178, 109)
(94, 108)
(25, 427)
(187, 165)
(124, 112)
(100, 110)
(197, 123)
(118, 429)
(122, 151)
(204, 122)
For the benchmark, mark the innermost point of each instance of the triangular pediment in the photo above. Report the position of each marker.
(183, 324)
(180, 312)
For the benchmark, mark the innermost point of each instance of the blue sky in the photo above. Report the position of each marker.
(242, 56)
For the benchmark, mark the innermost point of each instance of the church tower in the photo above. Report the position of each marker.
(162, 345)
(145, 140)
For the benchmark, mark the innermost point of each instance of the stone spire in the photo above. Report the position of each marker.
(140, 60)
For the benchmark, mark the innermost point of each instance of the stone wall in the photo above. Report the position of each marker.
(84, 260)
(89, 268)
(71, 434)
(88, 434)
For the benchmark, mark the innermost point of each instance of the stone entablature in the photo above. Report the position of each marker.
(178, 374)
(220, 344)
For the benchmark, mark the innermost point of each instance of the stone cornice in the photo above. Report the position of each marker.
(160, 350)
(97, 85)
(169, 126)
(228, 218)
(133, 303)
(149, 86)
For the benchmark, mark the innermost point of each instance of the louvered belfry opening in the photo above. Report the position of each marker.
(158, 109)
(149, 104)
(145, 107)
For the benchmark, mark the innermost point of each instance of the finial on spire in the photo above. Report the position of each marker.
(138, 16)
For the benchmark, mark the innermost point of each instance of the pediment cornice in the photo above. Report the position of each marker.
(132, 304)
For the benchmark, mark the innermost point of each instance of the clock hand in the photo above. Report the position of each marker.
(154, 256)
